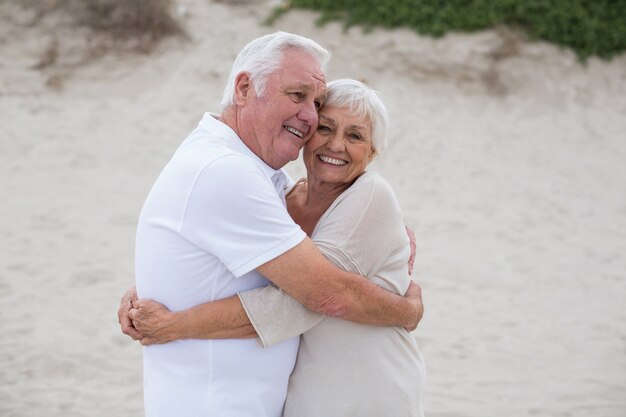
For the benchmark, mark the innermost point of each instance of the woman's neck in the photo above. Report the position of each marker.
(309, 201)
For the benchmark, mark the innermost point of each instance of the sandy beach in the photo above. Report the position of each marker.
(508, 158)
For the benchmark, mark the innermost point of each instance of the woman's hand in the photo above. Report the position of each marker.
(153, 321)
(126, 304)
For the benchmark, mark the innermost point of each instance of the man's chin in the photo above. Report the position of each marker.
(293, 153)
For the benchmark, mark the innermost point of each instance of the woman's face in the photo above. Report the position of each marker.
(341, 147)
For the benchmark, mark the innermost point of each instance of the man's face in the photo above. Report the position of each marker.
(278, 124)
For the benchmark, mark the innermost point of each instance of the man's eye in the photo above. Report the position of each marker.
(297, 96)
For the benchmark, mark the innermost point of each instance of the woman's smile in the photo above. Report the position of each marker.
(332, 161)
(340, 149)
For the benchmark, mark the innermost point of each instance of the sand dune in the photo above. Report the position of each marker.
(508, 157)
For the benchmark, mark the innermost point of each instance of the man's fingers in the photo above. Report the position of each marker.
(414, 290)
(413, 247)
(414, 293)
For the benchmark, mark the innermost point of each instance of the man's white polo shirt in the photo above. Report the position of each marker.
(211, 218)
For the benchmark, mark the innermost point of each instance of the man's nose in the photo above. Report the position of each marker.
(309, 113)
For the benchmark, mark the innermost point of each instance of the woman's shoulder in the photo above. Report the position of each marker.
(299, 186)
(374, 185)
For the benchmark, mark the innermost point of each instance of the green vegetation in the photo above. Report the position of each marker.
(589, 27)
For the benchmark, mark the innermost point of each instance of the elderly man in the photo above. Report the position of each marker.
(215, 224)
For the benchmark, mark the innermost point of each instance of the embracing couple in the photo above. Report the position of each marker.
(265, 297)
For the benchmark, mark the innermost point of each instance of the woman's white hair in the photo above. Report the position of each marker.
(362, 101)
(264, 55)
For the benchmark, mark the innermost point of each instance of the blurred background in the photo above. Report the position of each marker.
(507, 153)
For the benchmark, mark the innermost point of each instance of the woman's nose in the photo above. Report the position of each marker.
(335, 142)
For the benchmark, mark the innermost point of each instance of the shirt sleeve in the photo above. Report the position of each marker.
(234, 212)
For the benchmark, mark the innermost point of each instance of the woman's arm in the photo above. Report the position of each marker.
(154, 323)
(279, 316)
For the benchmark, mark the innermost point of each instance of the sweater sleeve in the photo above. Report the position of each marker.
(275, 315)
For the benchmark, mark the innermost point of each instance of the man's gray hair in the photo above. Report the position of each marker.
(362, 101)
(264, 55)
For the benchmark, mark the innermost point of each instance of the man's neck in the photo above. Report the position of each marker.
(228, 117)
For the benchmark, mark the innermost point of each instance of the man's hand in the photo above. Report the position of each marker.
(154, 322)
(123, 314)
(411, 236)
(414, 295)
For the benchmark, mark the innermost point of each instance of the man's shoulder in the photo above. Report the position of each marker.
(211, 152)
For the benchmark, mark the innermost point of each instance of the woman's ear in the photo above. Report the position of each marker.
(373, 155)
(243, 88)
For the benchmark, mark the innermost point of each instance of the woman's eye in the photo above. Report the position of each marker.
(323, 129)
(354, 136)
(318, 104)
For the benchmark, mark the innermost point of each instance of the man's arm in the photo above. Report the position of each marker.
(305, 274)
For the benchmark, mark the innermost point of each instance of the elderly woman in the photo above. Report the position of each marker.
(343, 368)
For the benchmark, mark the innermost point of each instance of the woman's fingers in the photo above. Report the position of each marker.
(123, 314)
(150, 318)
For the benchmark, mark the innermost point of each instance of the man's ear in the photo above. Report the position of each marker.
(243, 88)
